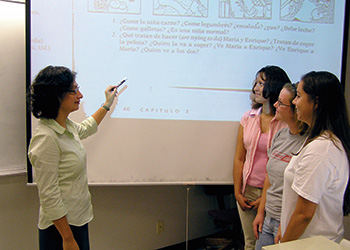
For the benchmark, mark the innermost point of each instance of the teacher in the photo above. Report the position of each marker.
(59, 158)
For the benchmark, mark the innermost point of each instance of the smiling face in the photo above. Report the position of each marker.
(284, 110)
(305, 107)
(259, 88)
(71, 100)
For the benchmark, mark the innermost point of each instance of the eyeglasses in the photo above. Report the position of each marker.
(279, 103)
(75, 91)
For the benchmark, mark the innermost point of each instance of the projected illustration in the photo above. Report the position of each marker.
(311, 11)
(195, 8)
(245, 9)
(182, 61)
(115, 6)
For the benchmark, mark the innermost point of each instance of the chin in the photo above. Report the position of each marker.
(258, 100)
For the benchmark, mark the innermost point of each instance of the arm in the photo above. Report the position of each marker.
(44, 156)
(259, 218)
(278, 235)
(63, 228)
(110, 94)
(238, 171)
(300, 219)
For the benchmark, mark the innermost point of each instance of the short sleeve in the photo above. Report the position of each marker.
(312, 176)
(247, 114)
(244, 119)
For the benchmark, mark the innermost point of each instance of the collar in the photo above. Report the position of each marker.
(255, 112)
(51, 123)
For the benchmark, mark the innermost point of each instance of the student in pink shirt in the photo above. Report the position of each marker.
(256, 131)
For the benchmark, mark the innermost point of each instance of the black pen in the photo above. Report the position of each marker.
(120, 83)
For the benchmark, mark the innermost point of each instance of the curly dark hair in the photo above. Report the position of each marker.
(48, 89)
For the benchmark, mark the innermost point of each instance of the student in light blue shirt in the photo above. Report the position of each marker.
(59, 158)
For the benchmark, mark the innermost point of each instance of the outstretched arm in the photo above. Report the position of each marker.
(110, 93)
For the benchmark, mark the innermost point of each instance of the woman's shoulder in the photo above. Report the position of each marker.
(283, 132)
(47, 127)
(249, 116)
(43, 136)
(327, 146)
(325, 140)
(251, 113)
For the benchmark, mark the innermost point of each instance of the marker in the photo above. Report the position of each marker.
(121, 82)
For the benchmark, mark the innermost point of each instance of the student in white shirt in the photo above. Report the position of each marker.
(316, 179)
(59, 158)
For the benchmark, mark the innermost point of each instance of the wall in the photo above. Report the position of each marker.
(18, 214)
(125, 217)
(12, 94)
(347, 94)
(347, 80)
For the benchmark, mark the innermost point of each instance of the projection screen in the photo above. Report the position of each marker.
(190, 66)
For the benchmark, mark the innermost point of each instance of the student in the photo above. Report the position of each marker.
(257, 128)
(286, 142)
(59, 158)
(316, 178)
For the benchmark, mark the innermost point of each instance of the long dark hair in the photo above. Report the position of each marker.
(274, 78)
(324, 89)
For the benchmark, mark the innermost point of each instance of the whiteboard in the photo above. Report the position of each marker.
(12, 89)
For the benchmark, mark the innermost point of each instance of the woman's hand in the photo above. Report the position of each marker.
(70, 244)
(243, 202)
(258, 224)
(110, 93)
(278, 235)
(255, 204)
(66, 233)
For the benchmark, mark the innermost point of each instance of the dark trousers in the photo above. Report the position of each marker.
(50, 238)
